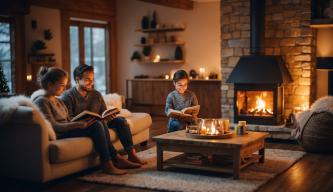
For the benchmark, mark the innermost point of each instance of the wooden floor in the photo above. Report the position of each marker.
(313, 172)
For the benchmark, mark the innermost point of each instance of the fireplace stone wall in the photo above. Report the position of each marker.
(287, 33)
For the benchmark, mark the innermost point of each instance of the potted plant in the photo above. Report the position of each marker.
(135, 56)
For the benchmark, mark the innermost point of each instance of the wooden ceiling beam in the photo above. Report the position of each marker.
(104, 7)
(180, 4)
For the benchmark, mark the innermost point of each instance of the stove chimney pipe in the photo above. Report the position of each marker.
(257, 27)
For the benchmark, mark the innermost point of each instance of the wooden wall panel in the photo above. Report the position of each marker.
(142, 92)
(209, 97)
(161, 89)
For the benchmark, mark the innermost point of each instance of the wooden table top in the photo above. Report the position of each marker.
(179, 138)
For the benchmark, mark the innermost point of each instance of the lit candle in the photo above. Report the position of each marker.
(157, 59)
(206, 78)
(166, 76)
(29, 77)
(202, 73)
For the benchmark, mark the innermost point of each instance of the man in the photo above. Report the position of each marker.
(84, 97)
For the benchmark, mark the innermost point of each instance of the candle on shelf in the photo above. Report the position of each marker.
(29, 77)
(157, 59)
(206, 78)
(166, 76)
(202, 73)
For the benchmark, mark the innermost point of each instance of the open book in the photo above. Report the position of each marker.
(88, 114)
(184, 113)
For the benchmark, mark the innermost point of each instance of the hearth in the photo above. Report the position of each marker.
(259, 79)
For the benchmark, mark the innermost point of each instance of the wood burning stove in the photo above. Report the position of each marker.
(259, 103)
(259, 79)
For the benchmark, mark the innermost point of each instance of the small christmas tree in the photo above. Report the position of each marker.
(3, 81)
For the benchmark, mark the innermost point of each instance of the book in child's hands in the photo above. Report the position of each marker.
(186, 112)
(89, 114)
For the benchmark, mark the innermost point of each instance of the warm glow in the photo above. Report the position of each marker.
(213, 130)
(202, 73)
(301, 108)
(209, 130)
(167, 77)
(29, 77)
(157, 59)
(261, 106)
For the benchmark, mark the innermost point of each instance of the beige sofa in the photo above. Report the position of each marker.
(29, 153)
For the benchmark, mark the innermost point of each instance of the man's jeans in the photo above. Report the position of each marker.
(121, 127)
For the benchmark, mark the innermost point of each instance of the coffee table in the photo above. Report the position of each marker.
(240, 148)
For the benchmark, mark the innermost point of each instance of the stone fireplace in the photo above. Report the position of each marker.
(287, 37)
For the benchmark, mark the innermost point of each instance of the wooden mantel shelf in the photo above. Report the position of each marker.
(321, 23)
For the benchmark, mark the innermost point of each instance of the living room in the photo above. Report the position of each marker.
(260, 70)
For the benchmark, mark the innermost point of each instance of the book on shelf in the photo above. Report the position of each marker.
(187, 112)
(89, 114)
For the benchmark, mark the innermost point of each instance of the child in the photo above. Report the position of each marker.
(180, 99)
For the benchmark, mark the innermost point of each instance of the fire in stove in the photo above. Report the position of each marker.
(260, 107)
(255, 103)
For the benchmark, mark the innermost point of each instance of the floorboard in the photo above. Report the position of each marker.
(314, 172)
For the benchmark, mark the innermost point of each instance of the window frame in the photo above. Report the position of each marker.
(10, 21)
(110, 26)
(81, 26)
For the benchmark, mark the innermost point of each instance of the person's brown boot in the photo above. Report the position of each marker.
(123, 163)
(109, 168)
(133, 157)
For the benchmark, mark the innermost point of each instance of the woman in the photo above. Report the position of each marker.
(53, 81)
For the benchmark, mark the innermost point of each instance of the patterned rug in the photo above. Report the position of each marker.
(251, 178)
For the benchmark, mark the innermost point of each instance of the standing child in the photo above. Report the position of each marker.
(179, 99)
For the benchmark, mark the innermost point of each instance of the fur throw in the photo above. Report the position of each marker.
(324, 104)
(8, 107)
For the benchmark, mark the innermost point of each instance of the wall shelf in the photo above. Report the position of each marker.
(161, 30)
(159, 37)
(160, 44)
(163, 62)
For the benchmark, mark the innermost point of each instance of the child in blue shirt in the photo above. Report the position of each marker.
(179, 99)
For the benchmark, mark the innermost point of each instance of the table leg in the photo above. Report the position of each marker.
(159, 164)
(262, 155)
(236, 163)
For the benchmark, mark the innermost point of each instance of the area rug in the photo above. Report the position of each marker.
(251, 178)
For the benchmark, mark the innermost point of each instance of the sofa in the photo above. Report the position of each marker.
(29, 148)
(314, 127)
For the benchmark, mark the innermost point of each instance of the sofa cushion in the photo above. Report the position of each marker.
(138, 122)
(63, 150)
(113, 99)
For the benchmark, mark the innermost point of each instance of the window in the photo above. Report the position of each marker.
(6, 59)
(88, 45)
